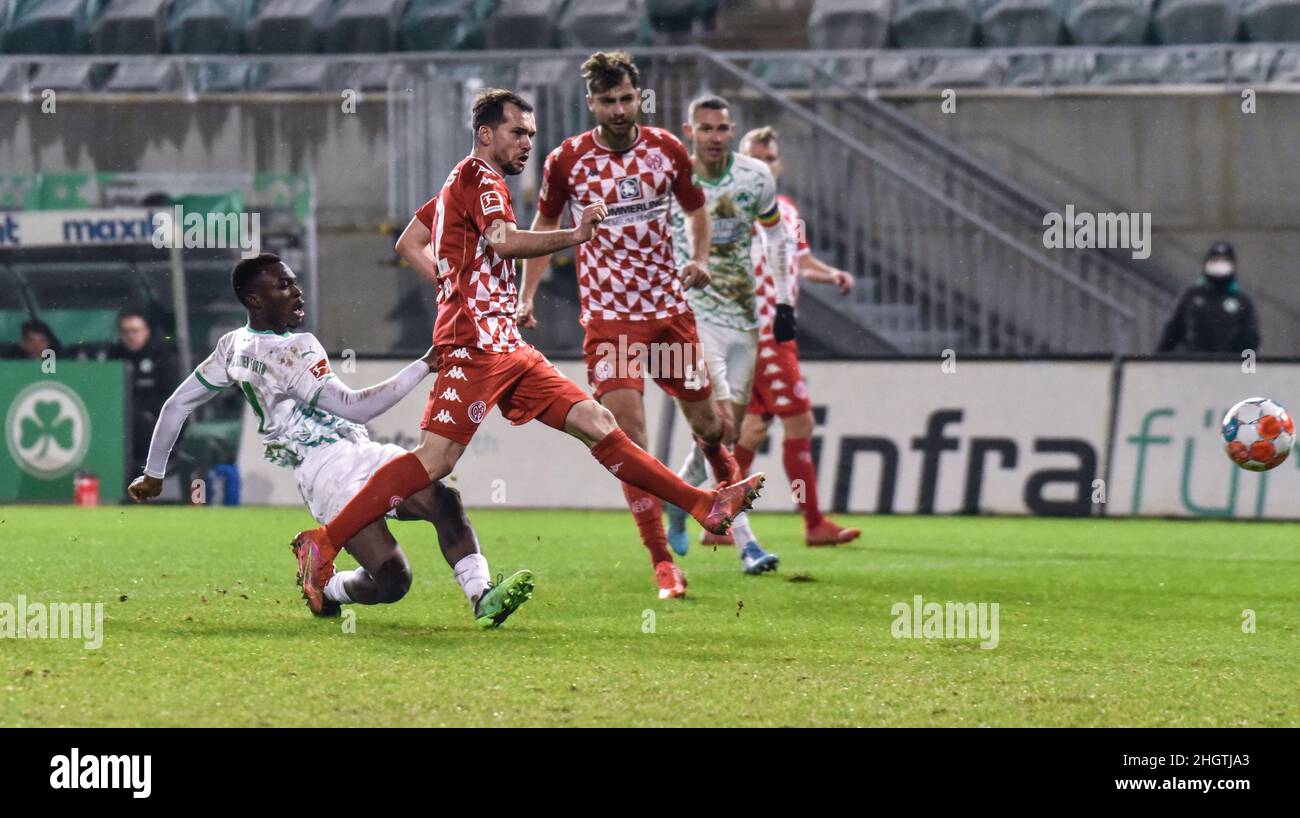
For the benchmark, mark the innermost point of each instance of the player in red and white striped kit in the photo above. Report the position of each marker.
(465, 241)
(779, 389)
(630, 287)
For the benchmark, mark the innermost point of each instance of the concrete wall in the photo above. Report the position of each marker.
(1203, 169)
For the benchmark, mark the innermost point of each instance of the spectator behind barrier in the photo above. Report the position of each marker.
(153, 376)
(1213, 316)
(36, 338)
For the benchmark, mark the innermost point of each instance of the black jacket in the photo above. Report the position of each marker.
(154, 376)
(1212, 316)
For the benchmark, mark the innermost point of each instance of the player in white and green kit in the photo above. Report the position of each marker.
(740, 192)
(311, 422)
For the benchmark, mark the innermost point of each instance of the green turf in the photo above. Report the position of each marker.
(1101, 623)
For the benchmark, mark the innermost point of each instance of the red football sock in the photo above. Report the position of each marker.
(725, 469)
(744, 458)
(797, 456)
(632, 464)
(392, 483)
(649, 515)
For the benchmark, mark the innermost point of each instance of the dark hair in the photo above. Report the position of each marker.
(241, 278)
(606, 69)
(37, 325)
(711, 101)
(490, 107)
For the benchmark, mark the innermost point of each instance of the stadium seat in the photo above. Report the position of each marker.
(1061, 68)
(151, 76)
(1197, 21)
(131, 27)
(1271, 20)
(1011, 23)
(934, 23)
(783, 73)
(1141, 69)
(225, 78)
(849, 24)
(443, 25)
(50, 26)
(289, 26)
(296, 77)
(1286, 68)
(524, 24)
(69, 75)
(975, 71)
(678, 15)
(364, 27)
(891, 71)
(208, 26)
(1108, 22)
(11, 79)
(604, 23)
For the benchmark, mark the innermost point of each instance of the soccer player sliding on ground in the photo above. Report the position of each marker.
(309, 421)
(779, 388)
(631, 289)
(464, 240)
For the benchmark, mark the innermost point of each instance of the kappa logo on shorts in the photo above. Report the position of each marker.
(477, 410)
(490, 201)
(772, 369)
(629, 188)
(460, 353)
(450, 394)
(444, 417)
(456, 373)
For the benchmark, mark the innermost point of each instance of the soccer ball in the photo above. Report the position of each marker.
(1259, 434)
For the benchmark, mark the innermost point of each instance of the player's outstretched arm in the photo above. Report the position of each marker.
(818, 271)
(413, 247)
(190, 395)
(510, 242)
(534, 269)
(364, 405)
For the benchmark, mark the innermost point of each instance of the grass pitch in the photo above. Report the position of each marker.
(1100, 623)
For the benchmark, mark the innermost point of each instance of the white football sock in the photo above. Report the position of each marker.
(696, 468)
(473, 575)
(741, 533)
(334, 588)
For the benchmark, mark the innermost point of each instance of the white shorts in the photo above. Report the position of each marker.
(328, 478)
(731, 355)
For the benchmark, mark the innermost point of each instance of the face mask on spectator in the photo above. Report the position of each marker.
(1219, 269)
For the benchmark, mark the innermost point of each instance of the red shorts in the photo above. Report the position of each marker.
(622, 354)
(779, 388)
(471, 381)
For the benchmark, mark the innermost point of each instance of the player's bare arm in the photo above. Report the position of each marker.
(413, 247)
(510, 242)
(819, 272)
(695, 273)
(534, 269)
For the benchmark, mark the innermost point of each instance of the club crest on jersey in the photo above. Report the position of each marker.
(477, 411)
(320, 369)
(654, 162)
(629, 188)
(490, 201)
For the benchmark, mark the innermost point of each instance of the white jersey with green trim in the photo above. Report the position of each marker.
(281, 376)
(735, 201)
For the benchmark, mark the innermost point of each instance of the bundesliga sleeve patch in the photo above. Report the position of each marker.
(320, 369)
(490, 201)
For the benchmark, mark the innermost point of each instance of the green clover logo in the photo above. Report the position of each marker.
(47, 426)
